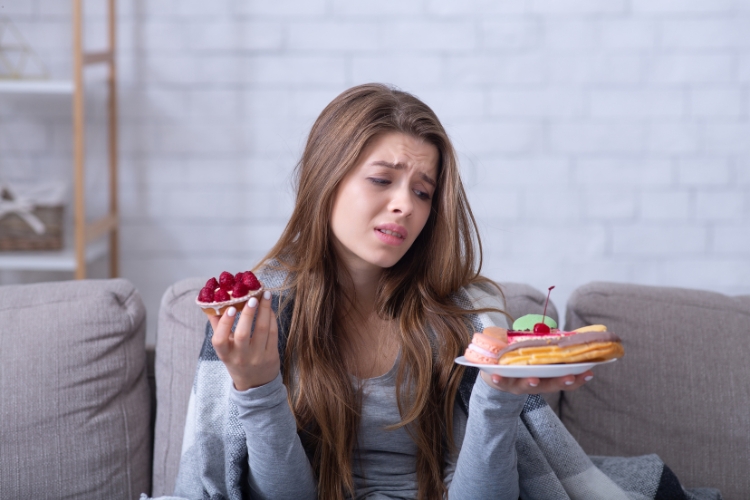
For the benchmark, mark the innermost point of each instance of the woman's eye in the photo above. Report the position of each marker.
(422, 195)
(378, 181)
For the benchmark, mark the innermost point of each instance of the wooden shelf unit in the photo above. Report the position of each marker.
(63, 260)
(87, 236)
(50, 87)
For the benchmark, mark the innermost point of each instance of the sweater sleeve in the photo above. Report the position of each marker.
(279, 467)
(486, 465)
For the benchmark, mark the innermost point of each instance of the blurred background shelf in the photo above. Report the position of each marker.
(89, 239)
(54, 260)
(59, 87)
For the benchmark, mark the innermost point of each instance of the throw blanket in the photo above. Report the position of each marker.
(551, 464)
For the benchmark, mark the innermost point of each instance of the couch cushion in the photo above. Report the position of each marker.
(75, 408)
(180, 335)
(681, 391)
(523, 299)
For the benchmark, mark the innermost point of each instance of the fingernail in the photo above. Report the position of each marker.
(533, 384)
(588, 378)
(496, 379)
(568, 382)
(252, 302)
(231, 311)
(267, 295)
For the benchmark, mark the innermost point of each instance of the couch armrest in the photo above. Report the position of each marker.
(682, 389)
(151, 371)
(75, 410)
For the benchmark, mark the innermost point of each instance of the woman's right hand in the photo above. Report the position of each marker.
(535, 385)
(250, 355)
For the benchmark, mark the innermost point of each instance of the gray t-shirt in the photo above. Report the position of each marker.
(384, 460)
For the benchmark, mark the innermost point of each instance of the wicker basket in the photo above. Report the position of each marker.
(17, 235)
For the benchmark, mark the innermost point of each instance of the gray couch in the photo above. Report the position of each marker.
(87, 411)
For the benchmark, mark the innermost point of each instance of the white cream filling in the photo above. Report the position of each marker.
(483, 352)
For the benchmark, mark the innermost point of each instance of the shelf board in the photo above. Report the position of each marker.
(21, 86)
(60, 260)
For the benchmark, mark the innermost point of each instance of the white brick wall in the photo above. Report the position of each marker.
(599, 139)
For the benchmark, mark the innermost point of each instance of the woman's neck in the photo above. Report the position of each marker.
(361, 286)
(371, 341)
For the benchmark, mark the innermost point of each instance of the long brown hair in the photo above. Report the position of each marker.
(416, 292)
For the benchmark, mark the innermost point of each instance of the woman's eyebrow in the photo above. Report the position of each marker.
(401, 166)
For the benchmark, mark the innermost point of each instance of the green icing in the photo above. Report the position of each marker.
(527, 322)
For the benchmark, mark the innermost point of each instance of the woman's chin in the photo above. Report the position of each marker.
(371, 258)
(383, 261)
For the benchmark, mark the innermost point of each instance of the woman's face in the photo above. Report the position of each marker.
(383, 203)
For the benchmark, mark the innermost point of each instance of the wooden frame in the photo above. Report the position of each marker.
(87, 232)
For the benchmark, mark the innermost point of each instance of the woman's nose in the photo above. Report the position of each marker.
(401, 201)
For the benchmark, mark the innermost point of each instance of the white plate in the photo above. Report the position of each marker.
(539, 371)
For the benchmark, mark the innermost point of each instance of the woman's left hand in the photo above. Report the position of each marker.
(534, 385)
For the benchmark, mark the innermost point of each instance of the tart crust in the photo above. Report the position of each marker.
(218, 308)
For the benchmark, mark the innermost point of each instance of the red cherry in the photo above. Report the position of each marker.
(541, 328)
(206, 294)
(226, 281)
(221, 295)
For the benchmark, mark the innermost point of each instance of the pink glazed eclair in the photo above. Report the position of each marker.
(484, 349)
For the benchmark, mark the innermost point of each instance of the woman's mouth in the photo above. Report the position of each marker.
(391, 234)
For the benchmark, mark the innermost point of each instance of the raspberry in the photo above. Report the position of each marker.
(221, 295)
(239, 290)
(251, 281)
(238, 277)
(206, 294)
(226, 281)
(212, 284)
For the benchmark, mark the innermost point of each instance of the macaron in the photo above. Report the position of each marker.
(484, 349)
(528, 321)
(497, 333)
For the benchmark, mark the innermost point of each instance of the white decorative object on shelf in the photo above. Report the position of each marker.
(17, 59)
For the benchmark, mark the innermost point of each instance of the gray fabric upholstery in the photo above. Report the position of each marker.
(523, 299)
(682, 389)
(75, 408)
(179, 338)
(180, 333)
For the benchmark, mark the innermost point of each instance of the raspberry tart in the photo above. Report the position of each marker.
(229, 290)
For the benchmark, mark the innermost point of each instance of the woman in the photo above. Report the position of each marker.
(378, 252)
(341, 383)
